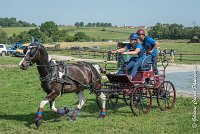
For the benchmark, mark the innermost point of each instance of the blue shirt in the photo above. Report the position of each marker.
(148, 44)
(141, 54)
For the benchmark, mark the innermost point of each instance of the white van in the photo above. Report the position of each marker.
(3, 50)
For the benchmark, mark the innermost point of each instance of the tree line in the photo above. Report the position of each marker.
(12, 22)
(90, 24)
(49, 31)
(174, 31)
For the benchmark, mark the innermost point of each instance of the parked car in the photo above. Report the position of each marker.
(17, 44)
(3, 50)
(20, 51)
(11, 50)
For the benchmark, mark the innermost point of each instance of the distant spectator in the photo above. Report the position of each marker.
(165, 54)
(172, 53)
(160, 56)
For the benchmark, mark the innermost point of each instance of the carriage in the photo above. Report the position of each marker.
(139, 91)
(58, 78)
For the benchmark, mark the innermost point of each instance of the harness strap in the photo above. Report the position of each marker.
(54, 76)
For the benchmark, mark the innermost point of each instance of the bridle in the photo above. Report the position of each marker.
(30, 48)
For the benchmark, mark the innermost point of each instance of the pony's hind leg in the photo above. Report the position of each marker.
(82, 101)
(103, 101)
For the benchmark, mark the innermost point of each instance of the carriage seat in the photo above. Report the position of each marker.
(146, 64)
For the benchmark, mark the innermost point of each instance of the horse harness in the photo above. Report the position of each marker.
(63, 77)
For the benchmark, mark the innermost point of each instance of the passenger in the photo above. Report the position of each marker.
(150, 46)
(135, 62)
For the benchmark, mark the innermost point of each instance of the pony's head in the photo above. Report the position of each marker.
(33, 54)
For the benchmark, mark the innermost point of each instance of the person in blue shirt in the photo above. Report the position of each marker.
(135, 62)
(150, 46)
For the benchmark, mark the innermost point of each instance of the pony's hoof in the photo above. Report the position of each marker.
(101, 115)
(66, 110)
(73, 117)
(38, 123)
(74, 114)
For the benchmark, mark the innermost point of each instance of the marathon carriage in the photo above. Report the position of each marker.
(139, 91)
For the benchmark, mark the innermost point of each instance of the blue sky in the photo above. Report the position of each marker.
(117, 12)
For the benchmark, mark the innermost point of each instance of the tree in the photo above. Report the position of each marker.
(109, 24)
(36, 33)
(98, 24)
(81, 24)
(23, 37)
(62, 35)
(102, 24)
(12, 22)
(49, 28)
(77, 24)
(167, 31)
(3, 36)
(93, 24)
(69, 39)
(89, 24)
(81, 36)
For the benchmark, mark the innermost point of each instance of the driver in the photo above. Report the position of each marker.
(135, 62)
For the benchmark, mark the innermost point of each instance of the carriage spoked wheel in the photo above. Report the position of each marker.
(141, 100)
(166, 95)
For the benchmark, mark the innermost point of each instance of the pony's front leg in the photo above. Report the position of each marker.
(103, 101)
(47, 99)
(58, 110)
(82, 101)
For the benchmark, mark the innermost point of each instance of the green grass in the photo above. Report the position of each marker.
(20, 96)
(108, 33)
(17, 30)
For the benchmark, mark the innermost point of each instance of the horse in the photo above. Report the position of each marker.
(58, 78)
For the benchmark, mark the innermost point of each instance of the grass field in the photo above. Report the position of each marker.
(17, 30)
(98, 33)
(108, 33)
(20, 95)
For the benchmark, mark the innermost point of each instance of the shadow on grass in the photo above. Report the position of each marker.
(90, 109)
(29, 119)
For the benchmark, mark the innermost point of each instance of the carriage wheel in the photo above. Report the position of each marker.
(141, 100)
(127, 96)
(111, 101)
(166, 95)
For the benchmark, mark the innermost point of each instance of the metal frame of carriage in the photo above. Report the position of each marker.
(139, 91)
